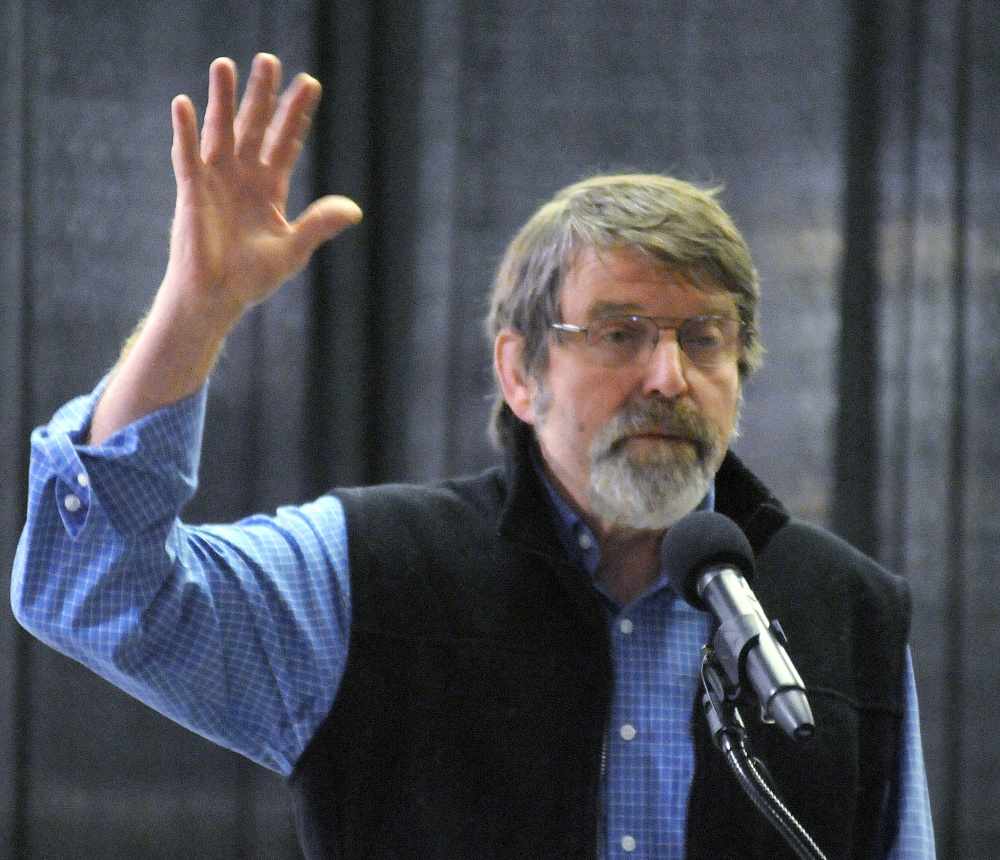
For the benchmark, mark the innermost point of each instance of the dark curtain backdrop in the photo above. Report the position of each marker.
(857, 143)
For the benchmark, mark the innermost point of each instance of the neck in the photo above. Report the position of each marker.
(630, 562)
(630, 558)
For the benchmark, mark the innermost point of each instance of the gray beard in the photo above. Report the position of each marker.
(651, 491)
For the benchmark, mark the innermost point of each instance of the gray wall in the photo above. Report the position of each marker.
(857, 144)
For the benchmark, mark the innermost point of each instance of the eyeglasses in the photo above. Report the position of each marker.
(623, 340)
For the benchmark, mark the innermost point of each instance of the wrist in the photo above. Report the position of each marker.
(168, 358)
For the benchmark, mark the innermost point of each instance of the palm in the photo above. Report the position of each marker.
(231, 242)
(231, 234)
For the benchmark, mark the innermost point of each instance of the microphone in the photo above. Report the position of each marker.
(711, 562)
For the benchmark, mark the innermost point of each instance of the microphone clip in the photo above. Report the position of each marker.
(718, 702)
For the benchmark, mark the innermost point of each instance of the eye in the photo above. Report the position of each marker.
(705, 337)
(617, 332)
(708, 339)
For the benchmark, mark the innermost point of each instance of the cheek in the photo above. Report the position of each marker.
(582, 399)
(593, 403)
(723, 408)
(575, 411)
(565, 416)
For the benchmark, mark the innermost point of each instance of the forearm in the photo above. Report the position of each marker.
(90, 510)
(168, 358)
(237, 632)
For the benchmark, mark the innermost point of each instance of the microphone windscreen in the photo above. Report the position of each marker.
(703, 540)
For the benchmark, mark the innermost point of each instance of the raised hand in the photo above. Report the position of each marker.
(232, 245)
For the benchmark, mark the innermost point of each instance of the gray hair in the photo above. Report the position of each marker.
(671, 220)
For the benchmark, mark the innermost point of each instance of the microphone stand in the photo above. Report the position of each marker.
(729, 734)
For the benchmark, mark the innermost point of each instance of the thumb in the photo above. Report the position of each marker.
(323, 220)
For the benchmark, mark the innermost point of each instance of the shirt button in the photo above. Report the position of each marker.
(627, 732)
(626, 626)
(72, 503)
(82, 479)
(585, 541)
(628, 843)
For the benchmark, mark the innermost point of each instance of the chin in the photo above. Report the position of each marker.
(647, 499)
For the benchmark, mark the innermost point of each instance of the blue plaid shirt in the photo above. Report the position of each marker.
(239, 632)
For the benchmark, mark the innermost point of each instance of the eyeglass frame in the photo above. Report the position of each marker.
(740, 334)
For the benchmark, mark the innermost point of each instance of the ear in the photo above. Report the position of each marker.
(518, 388)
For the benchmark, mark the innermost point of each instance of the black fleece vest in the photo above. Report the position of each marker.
(470, 719)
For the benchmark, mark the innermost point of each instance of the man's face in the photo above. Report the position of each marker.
(635, 445)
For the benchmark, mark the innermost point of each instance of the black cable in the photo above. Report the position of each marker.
(728, 733)
(757, 787)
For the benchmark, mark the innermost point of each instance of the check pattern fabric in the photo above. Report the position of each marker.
(239, 632)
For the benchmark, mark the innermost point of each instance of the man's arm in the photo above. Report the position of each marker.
(911, 808)
(231, 245)
(238, 632)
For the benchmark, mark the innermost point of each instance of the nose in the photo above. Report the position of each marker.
(665, 368)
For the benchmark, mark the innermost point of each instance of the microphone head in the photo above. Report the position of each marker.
(703, 540)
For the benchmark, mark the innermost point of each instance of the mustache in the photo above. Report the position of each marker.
(659, 416)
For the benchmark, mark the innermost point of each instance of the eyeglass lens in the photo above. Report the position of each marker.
(706, 341)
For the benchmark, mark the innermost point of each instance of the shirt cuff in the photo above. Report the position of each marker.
(142, 474)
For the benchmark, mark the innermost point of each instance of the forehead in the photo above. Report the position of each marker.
(603, 281)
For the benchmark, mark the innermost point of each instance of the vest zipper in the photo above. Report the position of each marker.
(601, 834)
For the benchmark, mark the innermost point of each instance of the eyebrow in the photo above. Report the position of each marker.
(608, 308)
(711, 307)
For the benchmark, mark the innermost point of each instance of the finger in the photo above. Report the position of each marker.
(184, 153)
(217, 134)
(257, 106)
(285, 135)
(323, 220)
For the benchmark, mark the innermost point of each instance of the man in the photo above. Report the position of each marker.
(497, 666)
